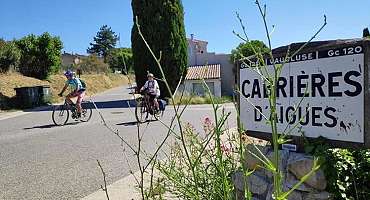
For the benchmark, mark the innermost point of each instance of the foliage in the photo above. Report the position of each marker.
(193, 99)
(9, 55)
(212, 164)
(40, 55)
(365, 32)
(104, 41)
(119, 59)
(93, 64)
(246, 49)
(347, 170)
(162, 24)
(201, 167)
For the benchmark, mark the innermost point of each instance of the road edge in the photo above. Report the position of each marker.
(126, 188)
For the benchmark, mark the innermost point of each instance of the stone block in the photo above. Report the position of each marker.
(257, 184)
(291, 180)
(250, 161)
(283, 160)
(317, 196)
(300, 165)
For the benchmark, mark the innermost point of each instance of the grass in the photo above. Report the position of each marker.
(95, 83)
(193, 99)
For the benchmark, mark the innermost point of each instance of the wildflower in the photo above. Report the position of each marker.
(207, 125)
(225, 149)
(244, 138)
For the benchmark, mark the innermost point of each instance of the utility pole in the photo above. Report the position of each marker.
(119, 40)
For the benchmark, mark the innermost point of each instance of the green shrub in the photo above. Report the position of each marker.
(211, 168)
(120, 58)
(40, 55)
(9, 55)
(347, 171)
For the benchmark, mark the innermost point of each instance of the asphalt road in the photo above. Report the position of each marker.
(41, 161)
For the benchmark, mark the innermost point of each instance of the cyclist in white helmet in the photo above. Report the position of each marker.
(153, 89)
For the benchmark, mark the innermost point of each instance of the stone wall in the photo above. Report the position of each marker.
(293, 167)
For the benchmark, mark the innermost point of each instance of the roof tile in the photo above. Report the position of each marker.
(203, 72)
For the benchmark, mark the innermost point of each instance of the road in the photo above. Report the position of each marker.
(41, 161)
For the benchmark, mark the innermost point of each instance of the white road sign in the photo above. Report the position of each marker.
(332, 82)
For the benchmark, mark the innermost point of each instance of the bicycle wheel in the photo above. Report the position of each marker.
(86, 112)
(60, 115)
(141, 112)
(158, 114)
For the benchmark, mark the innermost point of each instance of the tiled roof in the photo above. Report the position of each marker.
(203, 72)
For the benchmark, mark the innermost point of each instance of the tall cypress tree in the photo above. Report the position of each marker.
(365, 32)
(162, 24)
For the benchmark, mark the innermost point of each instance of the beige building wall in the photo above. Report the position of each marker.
(202, 57)
(70, 59)
(189, 89)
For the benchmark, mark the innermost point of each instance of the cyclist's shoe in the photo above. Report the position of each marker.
(76, 116)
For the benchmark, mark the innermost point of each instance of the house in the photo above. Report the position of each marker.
(69, 60)
(210, 74)
(199, 56)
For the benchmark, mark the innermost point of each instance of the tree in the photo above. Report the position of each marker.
(119, 58)
(9, 55)
(246, 49)
(365, 32)
(93, 64)
(104, 40)
(40, 55)
(162, 24)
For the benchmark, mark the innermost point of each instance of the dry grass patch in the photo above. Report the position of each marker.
(95, 83)
(11, 80)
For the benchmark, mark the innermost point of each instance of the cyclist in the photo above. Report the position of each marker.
(77, 90)
(153, 89)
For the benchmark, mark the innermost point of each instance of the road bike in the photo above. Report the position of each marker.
(61, 113)
(145, 107)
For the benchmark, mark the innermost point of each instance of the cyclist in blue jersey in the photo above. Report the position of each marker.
(76, 88)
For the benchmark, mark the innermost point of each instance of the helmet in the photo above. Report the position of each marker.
(68, 73)
(150, 75)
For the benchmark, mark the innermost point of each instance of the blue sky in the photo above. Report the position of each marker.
(77, 21)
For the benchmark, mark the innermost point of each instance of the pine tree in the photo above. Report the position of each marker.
(105, 40)
(162, 24)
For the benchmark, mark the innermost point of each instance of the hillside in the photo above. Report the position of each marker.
(95, 83)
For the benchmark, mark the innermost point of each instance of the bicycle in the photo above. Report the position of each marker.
(145, 107)
(60, 113)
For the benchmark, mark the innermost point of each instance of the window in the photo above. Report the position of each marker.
(199, 90)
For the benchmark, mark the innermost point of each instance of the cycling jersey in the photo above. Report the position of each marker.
(74, 84)
(153, 87)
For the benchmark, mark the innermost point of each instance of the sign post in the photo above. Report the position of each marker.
(322, 91)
